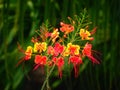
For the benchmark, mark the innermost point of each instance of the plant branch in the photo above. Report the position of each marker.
(48, 75)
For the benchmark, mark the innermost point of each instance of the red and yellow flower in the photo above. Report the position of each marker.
(59, 62)
(54, 35)
(66, 28)
(40, 61)
(71, 49)
(87, 51)
(39, 47)
(52, 48)
(28, 53)
(85, 34)
(76, 61)
(56, 50)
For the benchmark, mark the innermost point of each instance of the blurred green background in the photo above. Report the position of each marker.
(20, 18)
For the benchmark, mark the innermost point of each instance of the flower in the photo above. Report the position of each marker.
(40, 60)
(28, 53)
(59, 62)
(54, 35)
(50, 50)
(34, 40)
(73, 49)
(56, 46)
(58, 49)
(85, 34)
(66, 28)
(76, 61)
(39, 47)
(87, 52)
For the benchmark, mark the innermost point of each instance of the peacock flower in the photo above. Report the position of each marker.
(58, 49)
(50, 50)
(85, 34)
(39, 47)
(53, 48)
(34, 40)
(40, 60)
(54, 35)
(88, 52)
(28, 53)
(73, 49)
(59, 62)
(76, 61)
(66, 28)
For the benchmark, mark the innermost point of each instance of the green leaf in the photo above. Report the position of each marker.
(17, 79)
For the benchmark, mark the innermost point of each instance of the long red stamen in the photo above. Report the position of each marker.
(93, 31)
(93, 59)
(20, 61)
(20, 48)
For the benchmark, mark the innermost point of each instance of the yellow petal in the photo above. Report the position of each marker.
(28, 50)
(44, 46)
(82, 31)
(36, 47)
(88, 33)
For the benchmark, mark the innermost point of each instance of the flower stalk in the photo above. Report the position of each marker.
(47, 78)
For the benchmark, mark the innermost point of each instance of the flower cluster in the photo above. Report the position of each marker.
(54, 46)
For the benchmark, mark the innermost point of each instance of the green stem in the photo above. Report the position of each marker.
(80, 22)
(46, 80)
